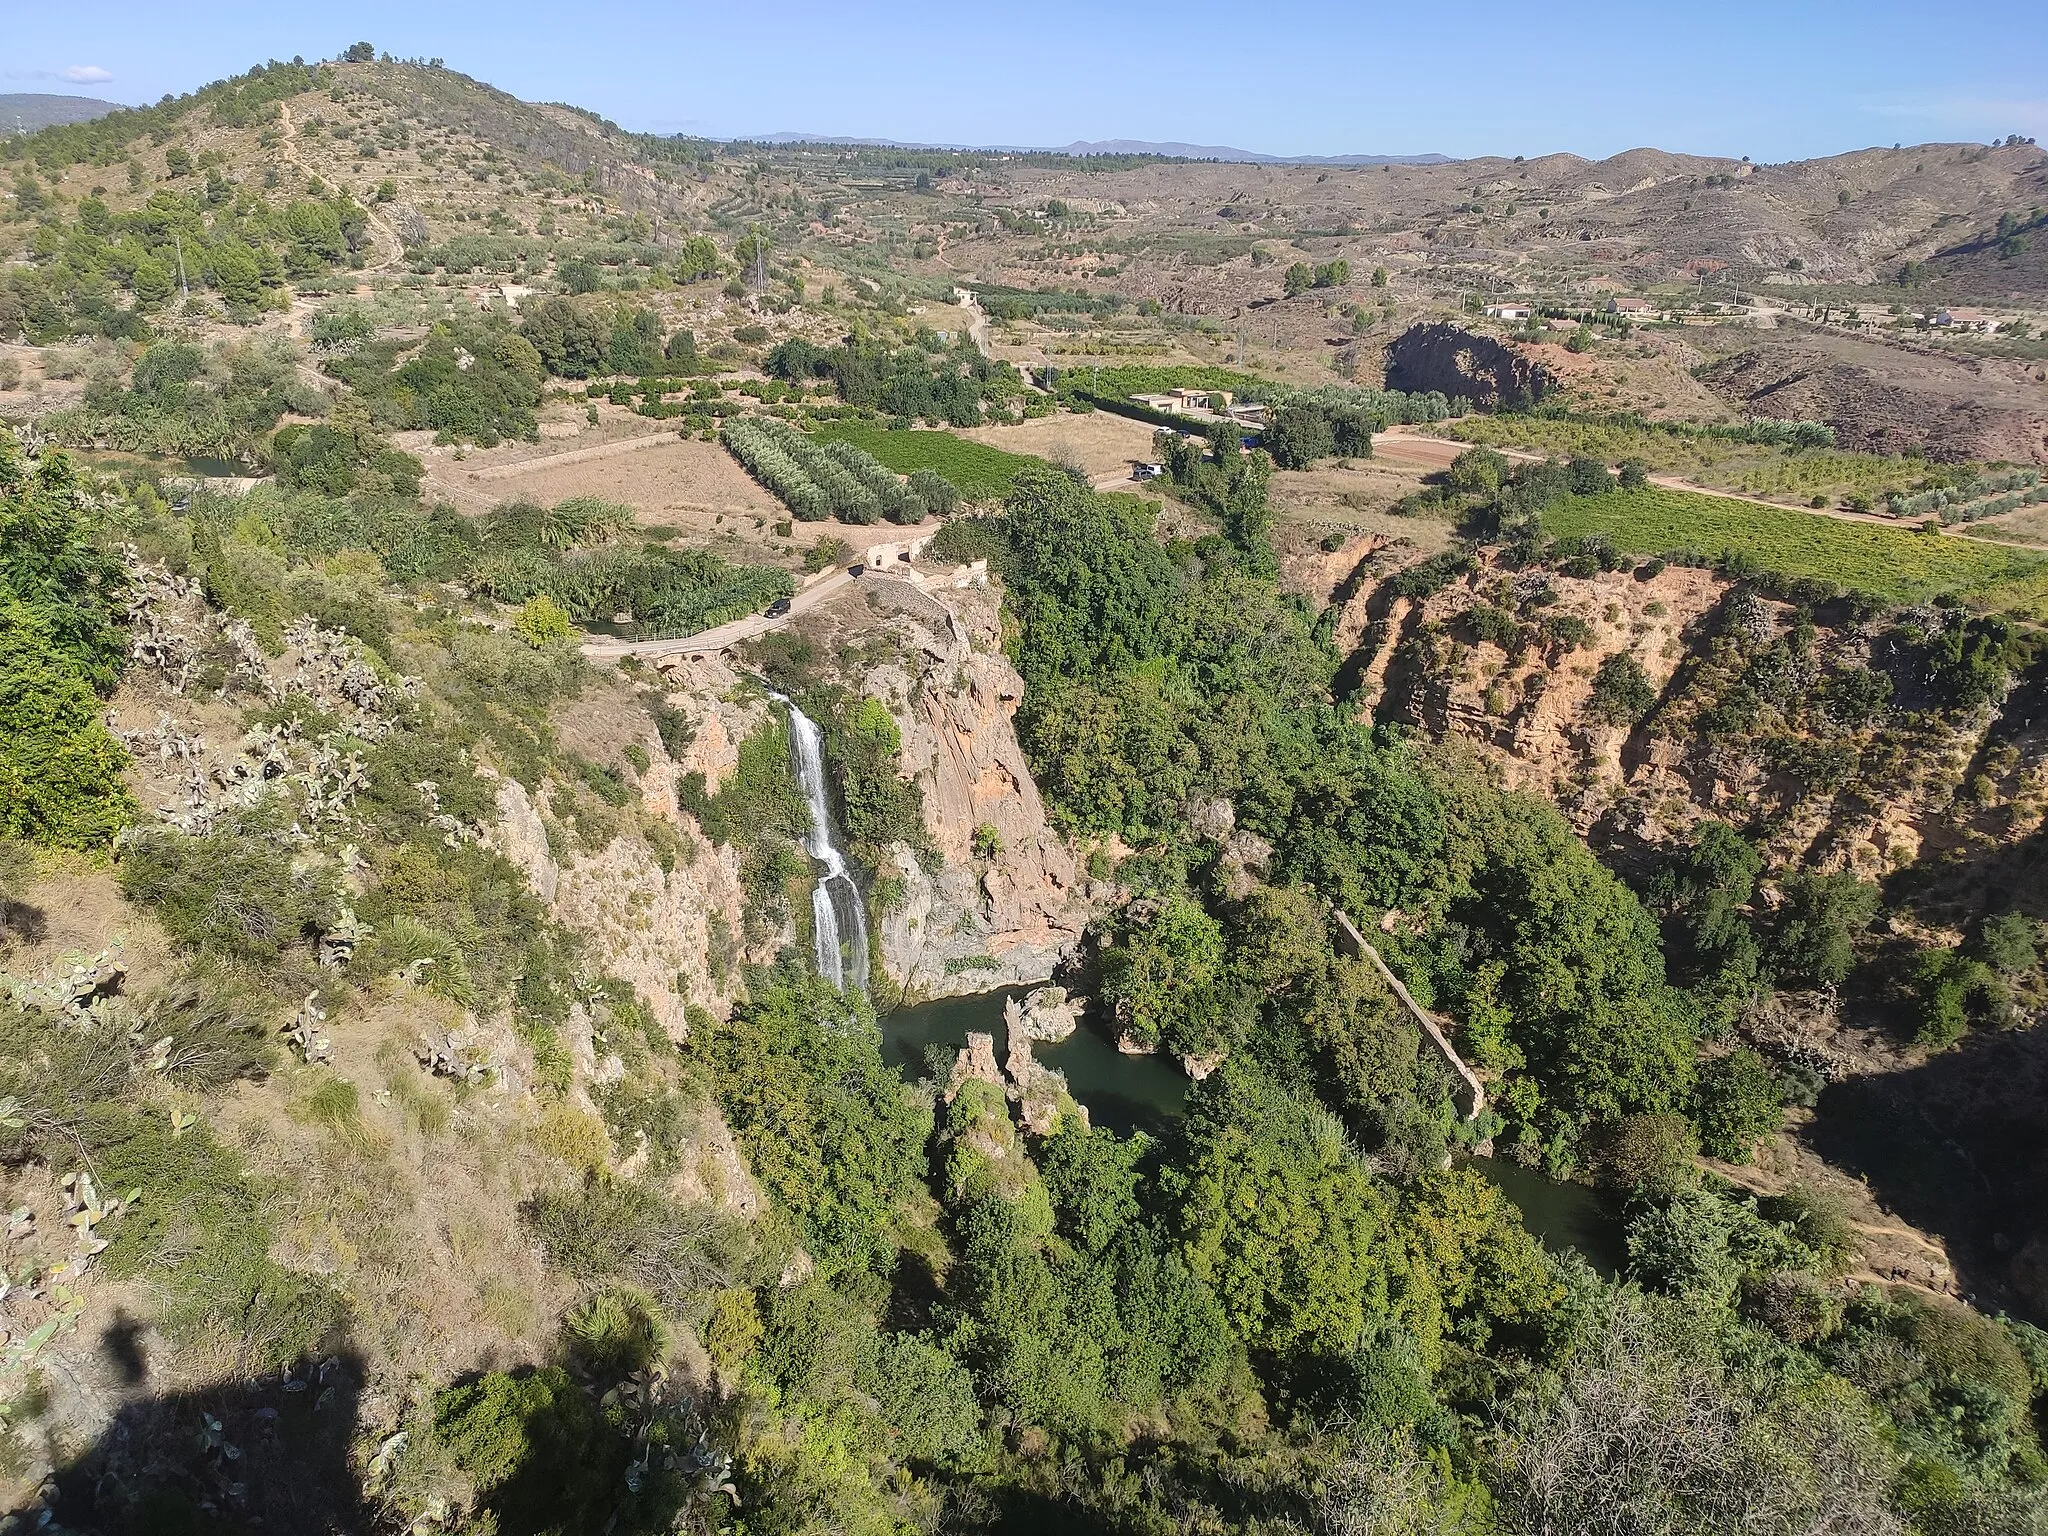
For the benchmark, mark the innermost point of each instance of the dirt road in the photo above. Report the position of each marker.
(391, 250)
(977, 319)
(725, 636)
(1402, 446)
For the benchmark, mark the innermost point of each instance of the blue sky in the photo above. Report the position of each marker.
(1774, 81)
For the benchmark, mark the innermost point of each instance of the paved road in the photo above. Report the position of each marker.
(823, 591)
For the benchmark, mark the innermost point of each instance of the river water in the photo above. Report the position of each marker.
(1127, 1093)
(1563, 1214)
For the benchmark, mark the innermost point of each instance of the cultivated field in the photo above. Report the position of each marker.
(1898, 564)
(979, 471)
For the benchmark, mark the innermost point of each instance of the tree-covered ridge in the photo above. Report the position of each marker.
(230, 103)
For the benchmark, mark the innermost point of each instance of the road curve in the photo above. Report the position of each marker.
(725, 636)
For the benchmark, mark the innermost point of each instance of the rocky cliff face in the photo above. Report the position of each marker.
(1001, 903)
(1750, 720)
(663, 918)
(1005, 903)
(1453, 361)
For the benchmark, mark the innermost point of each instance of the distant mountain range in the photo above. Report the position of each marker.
(1171, 150)
(26, 112)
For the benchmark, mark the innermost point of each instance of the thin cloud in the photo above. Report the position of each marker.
(75, 74)
(2007, 115)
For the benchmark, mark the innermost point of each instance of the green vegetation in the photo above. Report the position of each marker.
(1899, 566)
(581, 553)
(231, 103)
(834, 1136)
(374, 1143)
(473, 379)
(222, 239)
(1029, 303)
(1101, 384)
(185, 401)
(1759, 458)
(60, 650)
(586, 338)
(980, 472)
(836, 479)
(930, 383)
(760, 811)
(1132, 662)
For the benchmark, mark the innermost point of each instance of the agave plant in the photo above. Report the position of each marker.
(304, 1034)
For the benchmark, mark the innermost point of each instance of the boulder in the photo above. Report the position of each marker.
(1046, 1015)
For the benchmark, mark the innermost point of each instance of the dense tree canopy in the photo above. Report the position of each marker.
(60, 649)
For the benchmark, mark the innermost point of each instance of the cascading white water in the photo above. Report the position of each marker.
(839, 924)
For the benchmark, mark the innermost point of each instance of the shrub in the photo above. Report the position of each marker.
(613, 1230)
(60, 769)
(535, 1448)
(1587, 477)
(616, 1331)
(1817, 923)
(1795, 1306)
(2007, 942)
(1494, 626)
(1735, 1102)
(217, 1029)
(825, 554)
(1649, 1154)
(1952, 990)
(234, 892)
(1622, 691)
(543, 622)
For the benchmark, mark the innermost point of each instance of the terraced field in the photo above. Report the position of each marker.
(1899, 564)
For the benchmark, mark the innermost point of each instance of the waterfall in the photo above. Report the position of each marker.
(839, 923)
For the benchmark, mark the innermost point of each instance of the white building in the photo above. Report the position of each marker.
(1966, 320)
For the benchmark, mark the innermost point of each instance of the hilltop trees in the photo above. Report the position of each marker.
(241, 246)
(948, 384)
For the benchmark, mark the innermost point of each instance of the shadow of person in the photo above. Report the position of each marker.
(121, 1343)
(269, 1455)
